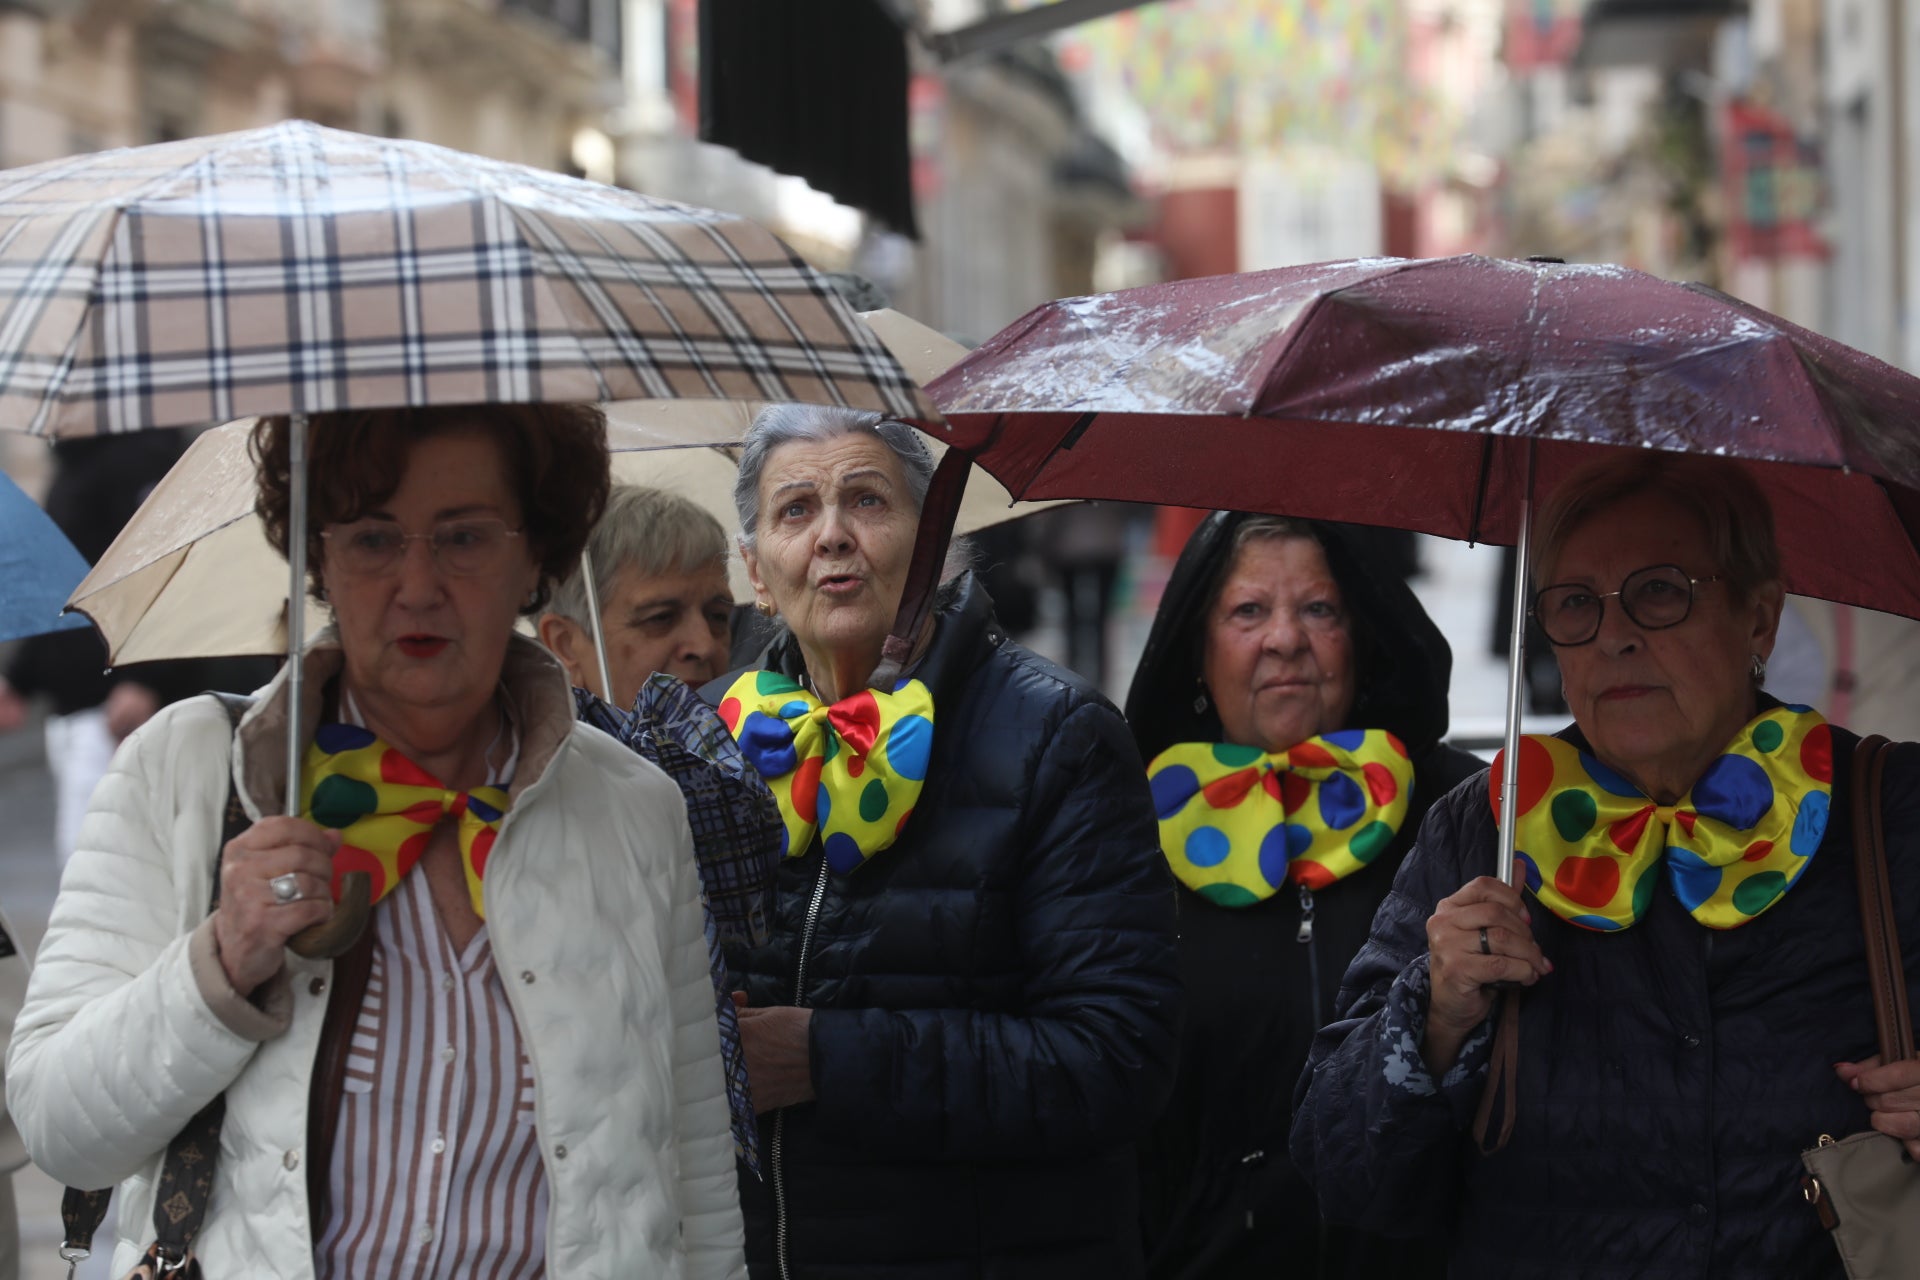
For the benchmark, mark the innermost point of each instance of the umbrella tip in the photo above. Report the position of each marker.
(1546, 258)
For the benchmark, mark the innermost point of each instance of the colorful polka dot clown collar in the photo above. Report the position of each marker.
(1590, 841)
(851, 772)
(385, 806)
(1237, 823)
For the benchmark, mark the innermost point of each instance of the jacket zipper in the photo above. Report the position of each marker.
(1305, 938)
(814, 904)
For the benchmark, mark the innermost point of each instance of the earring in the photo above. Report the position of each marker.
(763, 608)
(1200, 696)
(1759, 668)
(533, 597)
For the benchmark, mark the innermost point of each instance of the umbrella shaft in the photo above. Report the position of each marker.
(1516, 677)
(296, 599)
(593, 616)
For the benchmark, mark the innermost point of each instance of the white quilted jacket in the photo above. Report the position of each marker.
(594, 913)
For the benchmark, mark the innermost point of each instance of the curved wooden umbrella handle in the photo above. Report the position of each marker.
(335, 935)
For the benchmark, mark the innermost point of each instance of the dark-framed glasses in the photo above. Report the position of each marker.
(1655, 598)
(461, 548)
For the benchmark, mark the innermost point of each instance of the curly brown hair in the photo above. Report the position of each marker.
(555, 455)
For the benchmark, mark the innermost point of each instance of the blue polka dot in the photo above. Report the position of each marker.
(1609, 781)
(1810, 824)
(1734, 790)
(843, 853)
(1346, 739)
(793, 710)
(335, 738)
(1172, 787)
(1207, 846)
(1299, 839)
(786, 842)
(1341, 801)
(1275, 853)
(1528, 865)
(1694, 881)
(1601, 923)
(909, 745)
(1798, 708)
(822, 806)
(768, 745)
(482, 810)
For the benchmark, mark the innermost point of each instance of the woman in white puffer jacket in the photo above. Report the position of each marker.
(515, 1070)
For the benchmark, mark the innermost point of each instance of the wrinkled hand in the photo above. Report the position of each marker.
(251, 928)
(1892, 1094)
(129, 705)
(779, 1063)
(1462, 976)
(13, 708)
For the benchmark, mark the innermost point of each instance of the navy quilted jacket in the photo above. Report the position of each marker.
(995, 996)
(1669, 1076)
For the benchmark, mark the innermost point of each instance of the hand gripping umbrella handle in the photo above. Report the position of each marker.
(335, 935)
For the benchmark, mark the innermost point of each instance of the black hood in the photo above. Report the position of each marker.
(1403, 661)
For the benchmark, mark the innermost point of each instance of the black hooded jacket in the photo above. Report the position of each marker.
(994, 995)
(1220, 1197)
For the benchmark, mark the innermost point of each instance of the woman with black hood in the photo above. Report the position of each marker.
(1291, 699)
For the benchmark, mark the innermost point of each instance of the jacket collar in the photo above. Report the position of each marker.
(537, 698)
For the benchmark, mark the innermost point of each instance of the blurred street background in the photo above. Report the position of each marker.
(966, 160)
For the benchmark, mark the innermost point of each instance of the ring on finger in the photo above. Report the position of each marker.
(286, 888)
(1486, 948)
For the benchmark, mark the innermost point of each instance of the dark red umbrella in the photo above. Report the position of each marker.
(1423, 394)
(1407, 393)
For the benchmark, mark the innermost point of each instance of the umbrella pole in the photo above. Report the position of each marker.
(296, 600)
(593, 616)
(1516, 677)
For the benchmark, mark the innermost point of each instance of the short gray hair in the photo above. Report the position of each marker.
(1735, 513)
(781, 424)
(652, 531)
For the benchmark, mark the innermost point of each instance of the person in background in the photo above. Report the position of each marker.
(1697, 1005)
(1292, 678)
(965, 1014)
(661, 566)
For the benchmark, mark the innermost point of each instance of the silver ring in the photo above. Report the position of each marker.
(1486, 948)
(286, 889)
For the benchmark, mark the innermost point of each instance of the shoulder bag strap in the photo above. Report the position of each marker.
(186, 1176)
(1892, 1015)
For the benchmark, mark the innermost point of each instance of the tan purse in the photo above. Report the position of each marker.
(1865, 1189)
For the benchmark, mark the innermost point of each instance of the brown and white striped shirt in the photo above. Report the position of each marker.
(436, 1164)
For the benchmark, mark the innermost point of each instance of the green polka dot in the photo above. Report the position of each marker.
(833, 748)
(1573, 814)
(873, 801)
(340, 801)
(1756, 893)
(1643, 892)
(1373, 838)
(772, 682)
(1234, 757)
(1228, 895)
(1767, 735)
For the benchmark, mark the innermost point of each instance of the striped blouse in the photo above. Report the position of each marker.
(436, 1166)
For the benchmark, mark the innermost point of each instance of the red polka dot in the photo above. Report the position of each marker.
(1816, 754)
(411, 850)
(856, 765)
(395, 767)
(1294, 791)
(857, 721)
(426, 813)
(350, 858)
(1310, 755)
(1536, 776)
(1397, 745)
(1270, 783)
(1626, 833)
(482, 849)
(805, 789)
(1310, 874)
(730, 714)
(1381, 784)
(901, 825)
(1225, 793)
(1758, 850)
(1591, 882)
(1687, 818)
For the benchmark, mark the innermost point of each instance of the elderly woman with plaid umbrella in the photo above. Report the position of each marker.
(515, 1071)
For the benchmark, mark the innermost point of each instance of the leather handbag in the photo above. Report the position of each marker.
(186, 1175)
(1864, 1187)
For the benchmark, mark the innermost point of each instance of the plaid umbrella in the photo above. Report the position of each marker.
(303, 269)
(736, 842)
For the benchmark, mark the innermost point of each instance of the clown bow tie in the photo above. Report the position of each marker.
(852, 771)
(385, 807)
(1236, 823)
(1589, 840)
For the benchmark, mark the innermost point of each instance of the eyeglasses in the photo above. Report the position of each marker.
(1656, 597)
(461, 548)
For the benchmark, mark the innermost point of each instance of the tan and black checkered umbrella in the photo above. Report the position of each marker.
(303, 269)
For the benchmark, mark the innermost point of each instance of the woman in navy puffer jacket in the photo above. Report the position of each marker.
(1697, 1007)
(965, 1013)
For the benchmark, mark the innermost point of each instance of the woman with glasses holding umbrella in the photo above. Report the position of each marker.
(1697, 1009)
(515, 1070)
